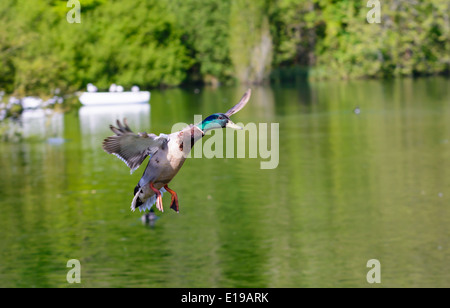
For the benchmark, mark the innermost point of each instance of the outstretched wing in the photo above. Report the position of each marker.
(130, 147)
(239, 105)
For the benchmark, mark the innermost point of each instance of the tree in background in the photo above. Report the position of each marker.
(205, 25)
(296, 26)
(170, 42)
(126, 42)
(413, 38)
(251, 45)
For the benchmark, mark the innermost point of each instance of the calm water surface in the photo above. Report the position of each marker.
(348, 188)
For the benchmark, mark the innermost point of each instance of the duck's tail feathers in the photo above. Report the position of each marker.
(143, 206)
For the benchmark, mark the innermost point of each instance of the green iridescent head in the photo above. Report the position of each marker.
(217, 120)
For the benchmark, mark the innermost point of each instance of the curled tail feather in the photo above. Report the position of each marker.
(147, 204)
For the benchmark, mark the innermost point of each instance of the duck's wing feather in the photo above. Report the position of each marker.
(239, 105)
(130, 147)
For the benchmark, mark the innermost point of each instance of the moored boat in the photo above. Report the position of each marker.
(92, 97)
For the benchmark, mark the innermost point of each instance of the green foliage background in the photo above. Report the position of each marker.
(171, 42)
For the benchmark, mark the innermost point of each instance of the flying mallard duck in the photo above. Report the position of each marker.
(167, 154)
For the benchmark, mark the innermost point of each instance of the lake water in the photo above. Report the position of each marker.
(348, 188)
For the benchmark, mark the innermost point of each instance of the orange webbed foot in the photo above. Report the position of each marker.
(174, 204)
(159, 204)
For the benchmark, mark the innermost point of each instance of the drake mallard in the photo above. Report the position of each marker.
(167, 154)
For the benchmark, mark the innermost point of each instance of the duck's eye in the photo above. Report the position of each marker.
(220, 118)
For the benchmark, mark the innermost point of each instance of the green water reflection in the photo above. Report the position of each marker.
(348, 188)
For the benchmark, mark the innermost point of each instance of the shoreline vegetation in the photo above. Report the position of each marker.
(170, 43)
